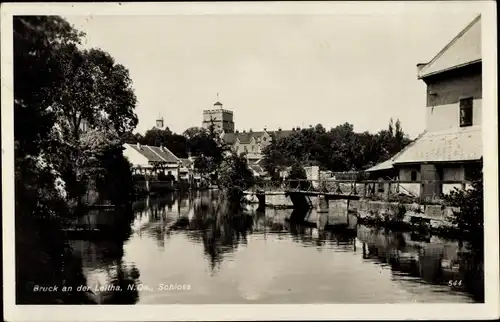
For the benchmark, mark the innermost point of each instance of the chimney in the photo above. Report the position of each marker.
(250, 131)
(420, 66)
(293, 129)
(138, 145)
(279, 129)
(265, 129)
(237, 131)
(244, 131)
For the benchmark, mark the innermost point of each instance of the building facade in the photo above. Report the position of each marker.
(221, 118)
(450, 148)
(148, 160)
(250, 142)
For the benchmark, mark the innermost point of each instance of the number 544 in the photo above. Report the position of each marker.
(455, 283)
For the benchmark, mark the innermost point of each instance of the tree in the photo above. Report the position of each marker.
(129, 137)
(339, 149)
(56, 87)
(470, 217)
(95, 90)
(208, 149)
(43, 256)
(176, 143)
(37, 77)
(298, 176)
(234, 176)
(104, 165)
(193, 131)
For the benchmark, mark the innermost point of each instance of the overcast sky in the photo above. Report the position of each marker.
(277, 71)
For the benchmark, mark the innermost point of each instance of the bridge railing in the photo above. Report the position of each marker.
(377, 189)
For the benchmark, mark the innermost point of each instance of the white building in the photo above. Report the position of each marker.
(147, 159)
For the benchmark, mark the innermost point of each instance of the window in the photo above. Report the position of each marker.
(466, 111)
(413, 175)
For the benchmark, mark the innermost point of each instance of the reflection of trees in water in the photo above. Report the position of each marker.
(107, 254)
(433, 262)
(125, 278)
(219, 230)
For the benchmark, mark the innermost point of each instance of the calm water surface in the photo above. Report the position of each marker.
(180, 249)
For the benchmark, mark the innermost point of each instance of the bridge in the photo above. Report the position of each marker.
(383, 190)
(334, 189)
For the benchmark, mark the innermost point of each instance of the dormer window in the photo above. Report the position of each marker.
(466, 111)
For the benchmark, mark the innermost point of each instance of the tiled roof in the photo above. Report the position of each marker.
(229, 138)
(387, 164)
(186, 162)
(464, 49)
(257, 168)
(155, 154)
(452, 145)
(164, 153)
(246, 137)
(462, 144)
(282, 133)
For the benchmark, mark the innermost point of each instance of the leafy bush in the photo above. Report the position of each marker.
(470, 218)
(235, 176)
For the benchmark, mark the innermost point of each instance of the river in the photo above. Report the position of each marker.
(182, 250)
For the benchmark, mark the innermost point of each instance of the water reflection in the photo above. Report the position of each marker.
(110, 280)
(270, 256)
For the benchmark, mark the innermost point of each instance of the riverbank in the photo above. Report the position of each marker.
(419, 218)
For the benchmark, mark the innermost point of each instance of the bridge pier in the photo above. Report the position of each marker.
(322, 204)
(261, 196)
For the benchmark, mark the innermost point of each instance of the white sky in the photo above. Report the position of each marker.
(277, 70)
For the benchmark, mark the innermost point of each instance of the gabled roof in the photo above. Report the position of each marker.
(155, 153)
(458, 144)
(387, 164)
(452, 145)
(281, 134)
(246, 137)
(258, 169)
(463, 50)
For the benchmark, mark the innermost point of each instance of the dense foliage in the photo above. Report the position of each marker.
(339, 149)
(57, 88)
(234, 176)
(470, 217)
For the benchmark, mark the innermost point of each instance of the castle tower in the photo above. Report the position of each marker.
(221, 118)
(159, 122)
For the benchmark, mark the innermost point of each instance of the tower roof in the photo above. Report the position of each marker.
(217, 103)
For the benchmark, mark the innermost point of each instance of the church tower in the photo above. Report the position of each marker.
(159, 122)
(221, 118)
